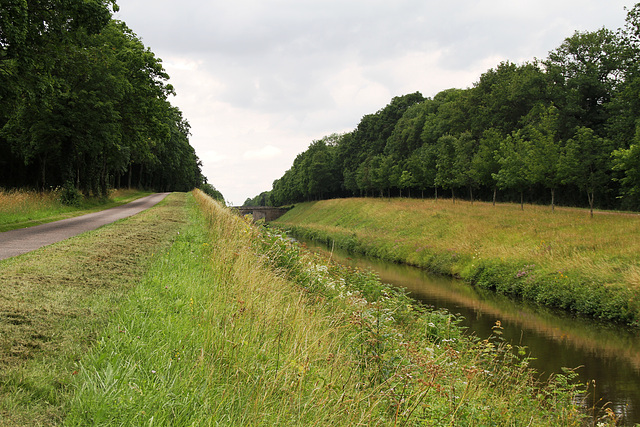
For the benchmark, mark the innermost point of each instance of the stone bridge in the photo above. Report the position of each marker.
(267, 213)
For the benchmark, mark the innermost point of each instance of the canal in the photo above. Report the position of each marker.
(607, 356)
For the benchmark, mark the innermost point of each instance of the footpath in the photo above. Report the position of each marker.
(23, 240)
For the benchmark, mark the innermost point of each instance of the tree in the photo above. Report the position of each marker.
(427, 157)
(586, 163)
(513, 165)
(379, 175)
(86, 101)
(39, 41)
(446, 176)
(626, 162)
(544, 151)
(405, 137)
(321, 177)
(504, 96)
(464, 151)
(416, 167)
(406, 181)
(365, 176)
(447, 114)
(395, 175)
(624, 108)
(586, 70)
(484, 164)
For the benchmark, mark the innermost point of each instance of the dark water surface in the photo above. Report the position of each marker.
(608, 355)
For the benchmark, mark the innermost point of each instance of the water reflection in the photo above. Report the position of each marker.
(607, 354)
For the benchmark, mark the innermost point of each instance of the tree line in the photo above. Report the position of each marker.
(563, 129)
(83, 103)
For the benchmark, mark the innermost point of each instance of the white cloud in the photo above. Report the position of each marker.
(211, 157)
(263, 153)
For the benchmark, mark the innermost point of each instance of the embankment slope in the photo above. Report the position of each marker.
(562, 259)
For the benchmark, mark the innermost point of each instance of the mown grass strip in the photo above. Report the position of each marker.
(563, 259)
(54, 303)
(21, 209)
(234, 326)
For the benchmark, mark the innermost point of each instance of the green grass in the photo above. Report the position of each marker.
(55, 301)
(562, 259)
(209, 320)
(21, 208)
(234, 326)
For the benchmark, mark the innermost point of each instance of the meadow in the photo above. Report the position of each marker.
(562, 259)
(26, 208)
(214, 321)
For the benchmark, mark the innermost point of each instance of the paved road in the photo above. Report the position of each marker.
(16, 242)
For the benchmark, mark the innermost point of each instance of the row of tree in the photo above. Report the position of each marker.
(84, 103)
(565, 128)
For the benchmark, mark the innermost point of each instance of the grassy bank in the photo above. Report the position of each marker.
(234, 326)
(21, 208)
(55, 302)
(562, 259)
(207, 320)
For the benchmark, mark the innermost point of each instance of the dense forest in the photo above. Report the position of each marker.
(565, 129)
(83, 103)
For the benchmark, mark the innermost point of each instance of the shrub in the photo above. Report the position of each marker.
(70, 196)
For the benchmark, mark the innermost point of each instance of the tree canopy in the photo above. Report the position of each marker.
(82, 101)
(559, 130)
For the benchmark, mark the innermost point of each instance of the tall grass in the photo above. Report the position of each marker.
(23, 208)
(234, 326)
(562, 258)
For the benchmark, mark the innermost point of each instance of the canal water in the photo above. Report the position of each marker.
(607, 356)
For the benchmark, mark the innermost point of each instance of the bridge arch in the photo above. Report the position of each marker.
(267, 213)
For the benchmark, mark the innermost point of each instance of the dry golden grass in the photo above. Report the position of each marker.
(12, 201)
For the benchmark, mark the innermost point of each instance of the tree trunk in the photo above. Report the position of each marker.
(140, 177)
(553, 200)
(453, 196)
(591, 195)
(436, 188)
(130, 173)
(522, 200)
(43, 171)
(471, 194)
(104, 177)
(495, 190)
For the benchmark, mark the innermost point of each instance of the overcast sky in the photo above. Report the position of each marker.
(259, 80)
